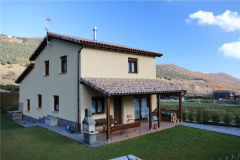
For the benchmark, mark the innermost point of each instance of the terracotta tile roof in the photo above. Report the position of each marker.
(3, 90)
(25, 73)
(129, 86)
(222, 91)
(91, 43)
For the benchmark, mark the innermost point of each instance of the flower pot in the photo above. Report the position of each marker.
(155, 127)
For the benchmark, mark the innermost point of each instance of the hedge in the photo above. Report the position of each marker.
(8, 100)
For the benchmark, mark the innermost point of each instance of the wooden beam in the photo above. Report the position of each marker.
(108, 119)
(180, 106)
(150, 112)
(159, 111)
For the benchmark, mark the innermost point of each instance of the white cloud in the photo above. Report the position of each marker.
(229, 21)
(231, 49)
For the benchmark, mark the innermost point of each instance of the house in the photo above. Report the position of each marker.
(73, 73)
(225, 94)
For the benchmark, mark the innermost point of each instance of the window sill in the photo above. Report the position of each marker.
(45, 75)
(55, 111)
(99, 114)
(39, 108)
(133, 72)
(63, 73)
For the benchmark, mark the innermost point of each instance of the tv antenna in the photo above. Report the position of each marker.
(48, 20)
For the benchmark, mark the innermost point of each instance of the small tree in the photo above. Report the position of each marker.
(237, 119)
(215, 117)
(199, 116)
(206, 116)
(190, 115)
(184, 115)
(227, 118)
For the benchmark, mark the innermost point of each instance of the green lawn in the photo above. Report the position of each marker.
(175, 143)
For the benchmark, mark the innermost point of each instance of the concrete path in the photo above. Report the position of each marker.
(25, 123)
(62, 131)
(215, 128)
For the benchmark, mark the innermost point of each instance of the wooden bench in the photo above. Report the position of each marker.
(125, 127)
(118, 128)
(134, 125)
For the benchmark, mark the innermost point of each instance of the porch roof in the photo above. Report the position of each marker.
(130, 86)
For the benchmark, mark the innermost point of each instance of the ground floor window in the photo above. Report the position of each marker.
(39, 101)
(98, 105)
(28, 104)
(56, 103)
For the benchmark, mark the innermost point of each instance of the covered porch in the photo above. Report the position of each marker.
(128, 98)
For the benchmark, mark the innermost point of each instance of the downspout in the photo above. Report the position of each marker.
(78, 87)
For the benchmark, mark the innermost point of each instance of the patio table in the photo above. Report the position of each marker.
(104, 124)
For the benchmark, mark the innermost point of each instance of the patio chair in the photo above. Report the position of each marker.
(144, 116)
(154, 118)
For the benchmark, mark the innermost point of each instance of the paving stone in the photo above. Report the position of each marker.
(215, 128)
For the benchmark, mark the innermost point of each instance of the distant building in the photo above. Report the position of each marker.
(225, 94)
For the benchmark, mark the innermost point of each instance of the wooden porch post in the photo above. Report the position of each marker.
(150, 112)
(159, 111)
(108, 119)
(180, 107)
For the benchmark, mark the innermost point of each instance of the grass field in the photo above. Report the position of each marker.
(16, 68)
(178, 142)
(219, 108)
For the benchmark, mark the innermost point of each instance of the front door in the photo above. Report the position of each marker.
(117, 109)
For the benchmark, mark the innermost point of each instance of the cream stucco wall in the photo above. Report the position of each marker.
(63, 85)
(111, 64)
(127, 108)
(86, 101)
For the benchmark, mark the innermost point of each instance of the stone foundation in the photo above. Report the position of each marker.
(30, 119)
(61, 122)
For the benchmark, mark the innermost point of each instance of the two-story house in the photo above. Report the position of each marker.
(72, 74)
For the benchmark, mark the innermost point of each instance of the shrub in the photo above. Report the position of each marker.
(237, 119)
(215, 117)
(199, 116)
(190, 115)
(8, 100)
(184, 115)
(14, 107)
(206, 116)
(227, 118)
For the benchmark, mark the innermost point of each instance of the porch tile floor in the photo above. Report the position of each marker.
(101, 137)
(116, 137)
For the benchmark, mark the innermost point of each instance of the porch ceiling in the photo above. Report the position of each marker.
(130, 86)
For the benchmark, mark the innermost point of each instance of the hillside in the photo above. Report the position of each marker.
(17, 49)
(197, 82)
(15, 52)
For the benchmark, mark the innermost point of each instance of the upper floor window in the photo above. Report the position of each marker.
(97, 105)
(132, 65)
(64, 64)
(39, 100)
(46, 68)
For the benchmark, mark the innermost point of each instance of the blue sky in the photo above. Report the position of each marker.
(156, 26)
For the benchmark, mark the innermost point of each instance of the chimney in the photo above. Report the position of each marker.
(94, 33)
